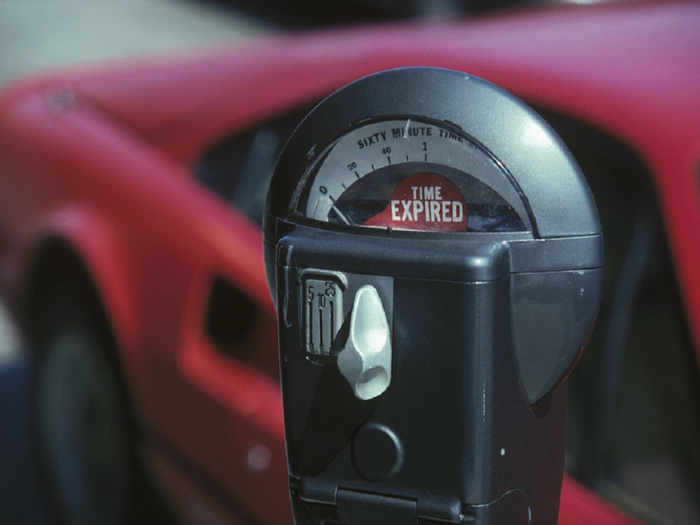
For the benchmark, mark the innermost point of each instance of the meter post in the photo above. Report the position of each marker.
(436, 263)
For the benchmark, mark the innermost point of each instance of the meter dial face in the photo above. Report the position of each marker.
(410, 174)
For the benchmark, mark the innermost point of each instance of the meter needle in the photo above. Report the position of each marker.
(341, 215)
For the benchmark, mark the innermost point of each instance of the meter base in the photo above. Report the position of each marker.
(377, 460)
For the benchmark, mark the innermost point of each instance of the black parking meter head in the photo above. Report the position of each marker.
(436, 257)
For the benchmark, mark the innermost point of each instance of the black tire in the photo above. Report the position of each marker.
(83, 430)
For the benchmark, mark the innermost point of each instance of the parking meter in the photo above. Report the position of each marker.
(435, 257)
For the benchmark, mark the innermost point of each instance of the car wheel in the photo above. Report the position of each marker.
(82, 426)
(82, 430)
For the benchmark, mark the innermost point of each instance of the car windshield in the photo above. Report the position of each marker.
(239, 168)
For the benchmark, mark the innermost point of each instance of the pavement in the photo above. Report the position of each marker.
(37, 35)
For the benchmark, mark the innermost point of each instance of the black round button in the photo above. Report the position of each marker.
(377, 452)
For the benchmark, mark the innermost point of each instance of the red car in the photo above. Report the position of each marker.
(131, 253)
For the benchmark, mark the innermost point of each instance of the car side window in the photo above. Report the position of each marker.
(239, 168)
(230, 317)
(634, 399)
(238, 329)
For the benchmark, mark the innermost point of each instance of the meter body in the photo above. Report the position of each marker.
(435, 257)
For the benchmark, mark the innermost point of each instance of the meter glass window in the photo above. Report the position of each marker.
(409, 174)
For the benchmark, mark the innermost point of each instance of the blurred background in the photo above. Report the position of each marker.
(37, 35)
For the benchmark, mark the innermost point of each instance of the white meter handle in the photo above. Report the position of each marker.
(365, 361)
